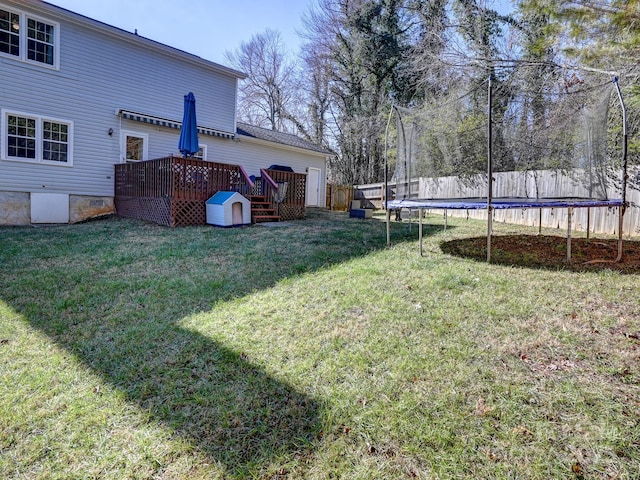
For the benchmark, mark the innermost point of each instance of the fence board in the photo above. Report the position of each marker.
(339, 197)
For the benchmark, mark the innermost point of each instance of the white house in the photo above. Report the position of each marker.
(79, 96)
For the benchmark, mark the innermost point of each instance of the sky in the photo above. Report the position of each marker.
(207, 28)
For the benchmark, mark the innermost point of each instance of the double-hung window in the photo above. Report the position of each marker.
(202, 153)
(29, 38)
(34, 138)
(9, 32)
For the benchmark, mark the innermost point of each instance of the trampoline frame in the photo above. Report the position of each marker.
(490, 203)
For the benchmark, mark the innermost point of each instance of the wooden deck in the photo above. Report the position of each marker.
(172, 191)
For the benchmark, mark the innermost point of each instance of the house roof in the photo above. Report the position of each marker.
(272, 136)
(220, 198)
(134, 37)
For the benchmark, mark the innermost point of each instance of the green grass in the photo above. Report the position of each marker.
(129, 350)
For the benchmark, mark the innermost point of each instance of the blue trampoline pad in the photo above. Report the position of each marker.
(502, 203)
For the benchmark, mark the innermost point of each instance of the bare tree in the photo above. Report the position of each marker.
(266, 97)
(315, 86)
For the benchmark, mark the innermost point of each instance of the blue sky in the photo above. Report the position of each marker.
(207, 28)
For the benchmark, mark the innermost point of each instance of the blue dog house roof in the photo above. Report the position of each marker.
(221, 198)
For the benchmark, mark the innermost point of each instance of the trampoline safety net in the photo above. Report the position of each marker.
(554, 133)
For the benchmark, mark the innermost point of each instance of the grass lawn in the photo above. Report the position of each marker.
(311, 351)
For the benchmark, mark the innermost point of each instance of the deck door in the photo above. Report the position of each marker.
(133, 146)
(313, 187)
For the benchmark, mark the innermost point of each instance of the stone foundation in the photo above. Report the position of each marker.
(83, 208)
(15, 208)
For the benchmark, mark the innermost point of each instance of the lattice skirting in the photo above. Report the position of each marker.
(180, 213)
(153, 209)
(291, 212)
(189, 212)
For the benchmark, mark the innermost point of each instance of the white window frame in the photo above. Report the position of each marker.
(204, 153)
(10, 55)
(40, 119)
(23, 55)
(123, 145)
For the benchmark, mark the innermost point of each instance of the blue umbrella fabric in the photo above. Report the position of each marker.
(188, 143)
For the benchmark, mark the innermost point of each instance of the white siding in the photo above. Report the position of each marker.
(100, 73)
(251, 154)
(254, 155)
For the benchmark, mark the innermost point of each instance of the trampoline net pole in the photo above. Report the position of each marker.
(420, 213)
(623, 207)
(489, 171)
(569, 216)
(388, 227)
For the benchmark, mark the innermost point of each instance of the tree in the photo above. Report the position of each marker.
(267, 96)
(597, 36)
(363, 48)
(315, 85)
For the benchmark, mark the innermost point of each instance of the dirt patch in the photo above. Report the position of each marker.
(545, 251)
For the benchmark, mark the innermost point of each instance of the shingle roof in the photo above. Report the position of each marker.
(278, 137)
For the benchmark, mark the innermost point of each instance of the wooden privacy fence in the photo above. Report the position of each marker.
(374, 192)
(547, 183)
(339, 197)
(172, 191)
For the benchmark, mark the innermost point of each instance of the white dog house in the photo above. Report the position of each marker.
(228, 209)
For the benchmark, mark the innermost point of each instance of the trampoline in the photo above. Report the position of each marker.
(501, 203)
(498, 204)
(587, 153)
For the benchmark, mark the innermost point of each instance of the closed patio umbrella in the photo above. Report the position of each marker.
(188, 143)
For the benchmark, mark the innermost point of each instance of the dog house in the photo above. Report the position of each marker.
(228, 209)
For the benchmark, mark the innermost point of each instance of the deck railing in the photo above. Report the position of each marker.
(173, 190)
(292, 205)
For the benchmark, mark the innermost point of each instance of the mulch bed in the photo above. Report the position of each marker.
(545, 251)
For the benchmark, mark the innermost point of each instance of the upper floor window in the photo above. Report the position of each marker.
(9, 33)
(28, 38)
(33, 138)
(41, 44)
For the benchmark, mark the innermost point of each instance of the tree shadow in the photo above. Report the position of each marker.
(113, 294)
(217, 399)
(229, 408)
(549, 252)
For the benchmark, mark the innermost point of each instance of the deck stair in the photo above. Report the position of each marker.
(262, 211)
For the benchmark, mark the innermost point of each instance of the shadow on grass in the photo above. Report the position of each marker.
(113, 293)
(549, 252)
